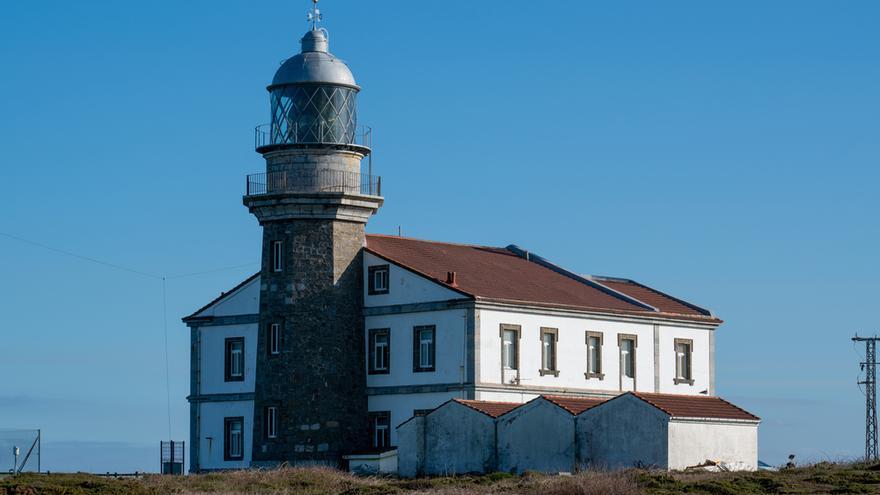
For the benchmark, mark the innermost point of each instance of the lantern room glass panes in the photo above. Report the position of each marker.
(313, 114)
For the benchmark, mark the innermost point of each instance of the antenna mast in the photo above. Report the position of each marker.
(315, 15)
(869, 366)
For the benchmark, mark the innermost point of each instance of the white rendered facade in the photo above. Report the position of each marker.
(467, 355)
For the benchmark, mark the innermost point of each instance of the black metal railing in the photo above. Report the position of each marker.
(269, 135)
(311, 181)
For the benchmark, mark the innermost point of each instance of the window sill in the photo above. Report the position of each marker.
(682, 381)
(424, 370)
(549, 372)
(372, 292)
(234, 379)
(600, 376)
(379, 372)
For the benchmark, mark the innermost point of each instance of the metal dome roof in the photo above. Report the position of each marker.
(314, 65)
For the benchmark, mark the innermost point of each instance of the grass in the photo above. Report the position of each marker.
(823, 478)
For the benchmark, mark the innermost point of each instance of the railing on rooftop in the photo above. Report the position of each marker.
(319, 133)
(313, 181)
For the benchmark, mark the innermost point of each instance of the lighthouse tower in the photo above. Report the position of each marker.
(313, 203)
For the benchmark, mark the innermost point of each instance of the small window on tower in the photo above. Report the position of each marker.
(233, 441)
(270, 419)
(378, 283)
(277, 256)
(274, 339)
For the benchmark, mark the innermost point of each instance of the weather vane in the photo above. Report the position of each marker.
(315, 15)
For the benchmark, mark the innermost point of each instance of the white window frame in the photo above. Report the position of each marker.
(684, 362)
(426, 356)
(379, 351)
(275, 339)
(235, 449)
(271, 422)
(594, 341)
(549, 351)
(277, 256)
(381, 432)
(621, 338)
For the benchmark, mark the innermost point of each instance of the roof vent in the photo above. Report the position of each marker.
(450, 279)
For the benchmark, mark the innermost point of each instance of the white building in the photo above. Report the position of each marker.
(448, 321)
(554, 434)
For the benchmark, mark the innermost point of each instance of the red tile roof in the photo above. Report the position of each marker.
(574, 405)
(491, 409)
(653, 297)
(695, 406)
(501, 275)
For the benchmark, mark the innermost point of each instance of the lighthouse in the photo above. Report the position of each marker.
(313, 202)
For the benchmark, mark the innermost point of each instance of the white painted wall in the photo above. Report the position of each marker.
(213, 350)
(458, 440)
(699, 368)
(449, 342)
(405, 287)
(572, 350)
(693, 442)
(622, 433)
(538, 436)
(212, 434)
(402, 406)
(244, 301)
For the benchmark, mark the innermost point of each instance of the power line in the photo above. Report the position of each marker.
(164, 280)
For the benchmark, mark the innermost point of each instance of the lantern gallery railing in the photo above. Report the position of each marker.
(318, 133)
(312, 181)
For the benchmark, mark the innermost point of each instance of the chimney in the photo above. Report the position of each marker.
(450, 279)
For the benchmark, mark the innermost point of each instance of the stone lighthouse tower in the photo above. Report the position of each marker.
(313, 203)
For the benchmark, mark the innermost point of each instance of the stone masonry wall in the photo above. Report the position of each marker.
(318, 382)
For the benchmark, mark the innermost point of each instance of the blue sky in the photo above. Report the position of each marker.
(724, 152)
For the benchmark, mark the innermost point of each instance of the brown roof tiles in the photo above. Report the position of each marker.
(500, 275)
(695, 406)
(491, 409)
(574, 405)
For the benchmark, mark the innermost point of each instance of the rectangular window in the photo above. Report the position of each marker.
(234, 361)
(510, 347)
(233, 445)
(627, 344)
(274, 339)
(270, 419)
(683, 355)
(378, 280)
(424, 348)
(380, 351)
(594, 342)
(549, 337)
(277, 256)
(380, 429)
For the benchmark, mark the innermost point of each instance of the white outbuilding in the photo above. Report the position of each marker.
(667, 431)
(456, 438)
(539, 435)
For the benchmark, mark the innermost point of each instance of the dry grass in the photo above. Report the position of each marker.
(824, 478)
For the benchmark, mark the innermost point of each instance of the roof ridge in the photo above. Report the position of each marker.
(222, 295)
(645, 396)
(705, 311)
(391, 236)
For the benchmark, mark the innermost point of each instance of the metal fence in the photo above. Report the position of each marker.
(310, 181)
(268, 135)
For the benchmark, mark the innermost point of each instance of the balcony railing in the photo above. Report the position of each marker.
(271, 135)
(313, 181)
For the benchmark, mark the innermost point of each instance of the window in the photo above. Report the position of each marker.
(549, 336)
(233, 444)
(424, 348)
(277, 256)
(234, 362)
(274, 339)
(594, 342)
(380, 429)
(510, 347)
(378, 283)
(627, 344)
(683, 353)
(380, 351)
(270, 420)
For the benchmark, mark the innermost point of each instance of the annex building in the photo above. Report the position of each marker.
(343, 336)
